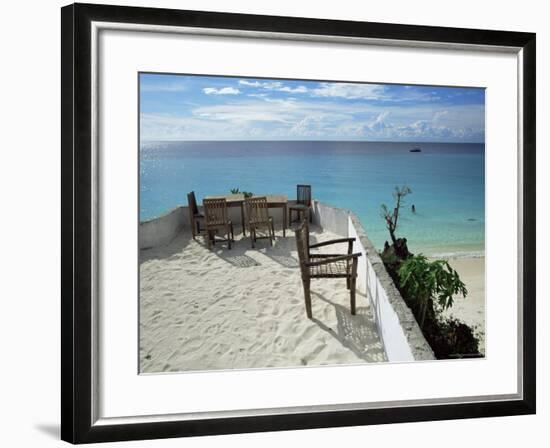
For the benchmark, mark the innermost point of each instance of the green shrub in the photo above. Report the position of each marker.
(247, 194)
(432, 284)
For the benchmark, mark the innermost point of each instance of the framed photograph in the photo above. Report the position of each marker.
(276, 223)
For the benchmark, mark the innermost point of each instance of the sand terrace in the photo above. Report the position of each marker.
(244, 308)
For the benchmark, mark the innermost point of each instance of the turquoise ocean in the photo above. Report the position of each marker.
(447, 182)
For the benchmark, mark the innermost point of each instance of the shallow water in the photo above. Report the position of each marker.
(447, 182)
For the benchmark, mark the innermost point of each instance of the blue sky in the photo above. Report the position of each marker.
(181, 107)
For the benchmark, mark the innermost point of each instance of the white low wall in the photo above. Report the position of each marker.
(400, 334)
(162, 230)
(331, 218)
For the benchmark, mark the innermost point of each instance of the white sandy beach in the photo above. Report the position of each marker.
(471, 309)
(244, 308)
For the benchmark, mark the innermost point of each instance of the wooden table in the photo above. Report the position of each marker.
(278, 201)
(273, 201)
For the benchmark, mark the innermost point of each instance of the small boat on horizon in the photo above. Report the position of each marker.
(416, 149)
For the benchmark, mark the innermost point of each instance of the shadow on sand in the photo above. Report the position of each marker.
(281, 252)
(235, 256)
(357, 333)
(165, 252)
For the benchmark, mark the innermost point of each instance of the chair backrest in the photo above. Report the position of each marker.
(303, 194)
(302, 237)
(192, 203)
(215, 211)
(256, 209)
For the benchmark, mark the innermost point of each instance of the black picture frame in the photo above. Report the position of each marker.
(77, 425)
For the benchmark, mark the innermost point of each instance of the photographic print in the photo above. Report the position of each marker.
(254, 207)
(291, 223)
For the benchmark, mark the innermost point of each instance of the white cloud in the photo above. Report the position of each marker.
(276, 110)
(267, 85)
(222, 91)
(270, 118)
(274, 86)
(425, 129)
(299, 89)
(164, 87)
(316, 124)
(440, 114)
(244, 82)
(305, 126)
(166, 127)
(350, 91)
(382, 117)
(240, 113)
(377, 92)
(379, 124)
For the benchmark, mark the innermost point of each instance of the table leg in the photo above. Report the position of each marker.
(242, 219)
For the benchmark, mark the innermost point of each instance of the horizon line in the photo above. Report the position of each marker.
(316, 140)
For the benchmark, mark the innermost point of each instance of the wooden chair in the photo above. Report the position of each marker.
(195, 217)
(302, 204)
(314, 265)
(258, 218)
(216, 218)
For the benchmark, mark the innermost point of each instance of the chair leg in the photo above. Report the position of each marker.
(307, 298)
(228, 230)
(198, 229)
(208, 238)
(353, 282)
(192, 226)
(252, 236)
